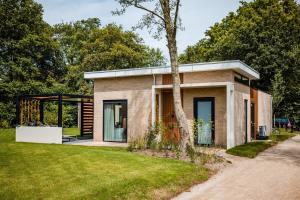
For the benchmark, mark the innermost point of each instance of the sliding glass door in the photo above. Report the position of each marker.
(115, 121)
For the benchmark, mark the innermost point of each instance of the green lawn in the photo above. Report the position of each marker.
(39, 171)
(72, 131)
(281, 137)
(251, 149)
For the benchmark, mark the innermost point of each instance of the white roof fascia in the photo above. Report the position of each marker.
(235, 65)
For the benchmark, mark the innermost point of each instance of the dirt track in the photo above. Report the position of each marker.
(273, 174)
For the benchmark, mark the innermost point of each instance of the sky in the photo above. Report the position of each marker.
(197, 16)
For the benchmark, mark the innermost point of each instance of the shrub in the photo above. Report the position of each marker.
(157, 137)
(137, 143)
(199, 124)
(4, 124)
(191, 153)
(153, 133)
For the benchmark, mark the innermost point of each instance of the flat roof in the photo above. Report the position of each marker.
(235, 65)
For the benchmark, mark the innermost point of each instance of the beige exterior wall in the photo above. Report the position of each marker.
(137, 92)
(264, 111)
(158, 79)
(220, 109)
(206, 77)
(241, 93)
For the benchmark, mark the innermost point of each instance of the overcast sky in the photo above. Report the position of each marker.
(197, 17)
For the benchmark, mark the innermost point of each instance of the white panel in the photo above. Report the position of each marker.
(153, 106)
(39, 134)
(196, 67)
(230, 115)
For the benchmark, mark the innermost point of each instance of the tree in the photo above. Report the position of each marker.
(30, 60)
(265, 35)
(87, 46)
(165, 16)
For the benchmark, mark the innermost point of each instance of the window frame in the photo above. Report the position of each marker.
(212, 100)
(115, 101)
(240, 79)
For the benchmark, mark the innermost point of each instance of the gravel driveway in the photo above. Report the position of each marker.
(273, 174)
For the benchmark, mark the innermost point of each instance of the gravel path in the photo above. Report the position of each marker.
(273, 174)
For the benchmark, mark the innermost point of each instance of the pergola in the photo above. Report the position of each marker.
(30, 109)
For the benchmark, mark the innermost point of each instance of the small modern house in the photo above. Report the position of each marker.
(127, 102)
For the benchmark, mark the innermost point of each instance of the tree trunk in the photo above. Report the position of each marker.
(179, 113)
(171, 29)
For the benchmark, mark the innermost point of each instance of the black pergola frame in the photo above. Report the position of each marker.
(60, 97)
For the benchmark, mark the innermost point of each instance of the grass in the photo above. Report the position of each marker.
(249, 150)
(281, 137)
(72, 131)
(49, 171)
(252, 149)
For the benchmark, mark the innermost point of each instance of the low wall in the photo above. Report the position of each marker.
(39, 134)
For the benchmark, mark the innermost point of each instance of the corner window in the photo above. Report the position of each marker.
(115, 121)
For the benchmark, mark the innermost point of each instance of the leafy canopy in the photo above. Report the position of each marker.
(266, 35)
(87, 46)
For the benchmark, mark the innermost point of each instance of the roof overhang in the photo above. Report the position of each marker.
(235, 65)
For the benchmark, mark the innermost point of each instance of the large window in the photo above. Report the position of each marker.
(115, 121)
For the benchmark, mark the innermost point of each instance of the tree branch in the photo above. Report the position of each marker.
(148, 10)
(176, 17)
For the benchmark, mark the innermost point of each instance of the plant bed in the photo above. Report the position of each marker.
(203, 157)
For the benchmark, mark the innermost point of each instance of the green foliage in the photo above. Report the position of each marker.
(69, 114)
(199, 124)
(190, 150)
(139, 142)
(4, 124)
(156, 138)
(87, 46)
(279, 135)
(36, 58)
(30, 60)
(152, 133)
(265, 35)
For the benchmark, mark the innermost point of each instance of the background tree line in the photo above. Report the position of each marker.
(38, 58)
(264, 34)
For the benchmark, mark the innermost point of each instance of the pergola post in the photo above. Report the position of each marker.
(41, 111)
(59, 119)
(81, 118)
(18, 111)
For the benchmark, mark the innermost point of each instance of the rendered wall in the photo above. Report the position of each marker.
(264, 111)
(39, 134)
(136, 90)
(220, 109)
(241, 93)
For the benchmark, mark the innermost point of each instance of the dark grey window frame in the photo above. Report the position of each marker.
(114, 102)
(212, 99)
